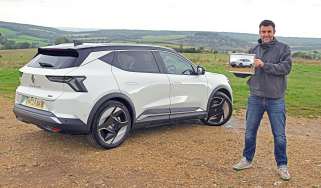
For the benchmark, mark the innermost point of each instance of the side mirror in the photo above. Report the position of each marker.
(200, 70)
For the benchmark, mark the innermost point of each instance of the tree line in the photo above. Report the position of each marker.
(182, 49)
(5, 43)
(310, 55)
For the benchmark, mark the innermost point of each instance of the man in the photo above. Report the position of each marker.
(267, 88)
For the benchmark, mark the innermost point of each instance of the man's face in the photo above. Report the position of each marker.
(266, 33)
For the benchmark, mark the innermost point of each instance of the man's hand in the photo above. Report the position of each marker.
(258, 63)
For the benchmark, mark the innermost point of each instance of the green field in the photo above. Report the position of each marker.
(7, 32)
(19, 38)
(15, 58)
(30, 39)
(149, 38)
(303, 94)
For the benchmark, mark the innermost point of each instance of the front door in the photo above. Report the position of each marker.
(188, 91)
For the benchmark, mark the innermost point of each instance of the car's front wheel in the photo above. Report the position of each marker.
(219, 111)
(111, 125)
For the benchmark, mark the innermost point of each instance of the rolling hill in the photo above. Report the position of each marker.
(219, 41)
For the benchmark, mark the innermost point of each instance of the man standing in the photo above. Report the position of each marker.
(267, 88)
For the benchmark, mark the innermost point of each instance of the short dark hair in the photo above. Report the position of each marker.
(267, 23)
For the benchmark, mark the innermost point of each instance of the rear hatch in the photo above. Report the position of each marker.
(39, 77)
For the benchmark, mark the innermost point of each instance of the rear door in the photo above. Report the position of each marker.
(139, 77)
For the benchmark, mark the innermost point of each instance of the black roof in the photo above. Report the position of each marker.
(83, 50)
(92, 47)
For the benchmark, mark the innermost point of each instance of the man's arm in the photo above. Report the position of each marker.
(281, 68)
(241, 75)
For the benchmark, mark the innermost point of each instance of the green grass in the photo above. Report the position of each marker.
(9, 80)
(30, 39)
(7, 32)
(15, 58)
(304, 90)
(10, 62)
(303, 95)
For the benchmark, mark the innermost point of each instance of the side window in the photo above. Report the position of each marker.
(175, 64)
(108, 58)
(137, 61)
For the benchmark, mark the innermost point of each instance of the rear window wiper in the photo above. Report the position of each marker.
(45, 64)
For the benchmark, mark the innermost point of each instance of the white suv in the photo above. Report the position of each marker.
(242, 63)
(105, 90)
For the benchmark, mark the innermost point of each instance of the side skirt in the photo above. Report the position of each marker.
(158, 120)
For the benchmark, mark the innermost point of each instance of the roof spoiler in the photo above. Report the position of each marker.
(58, 52)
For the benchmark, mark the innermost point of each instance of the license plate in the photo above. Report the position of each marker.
(34, 103)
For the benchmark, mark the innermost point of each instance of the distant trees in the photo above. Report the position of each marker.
(5, 43)
(23, 45)
(3, 39)
(10, 44)
(187, 50)
(201, 49)
(311, 55)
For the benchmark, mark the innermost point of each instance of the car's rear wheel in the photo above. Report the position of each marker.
(111, 125)
(219, 111)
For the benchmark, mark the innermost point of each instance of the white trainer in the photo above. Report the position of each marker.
(283, 172)
(243, 164)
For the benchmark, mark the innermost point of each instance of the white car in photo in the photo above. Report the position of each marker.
(105, 90)
(242, 63)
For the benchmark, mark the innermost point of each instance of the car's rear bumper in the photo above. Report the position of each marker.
(49, 121)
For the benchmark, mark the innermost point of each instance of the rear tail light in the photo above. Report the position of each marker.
(75, 82)
(55, 129)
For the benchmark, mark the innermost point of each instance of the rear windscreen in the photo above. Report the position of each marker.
(53, 60)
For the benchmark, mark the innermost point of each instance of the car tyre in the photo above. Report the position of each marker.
(219, 110)
(111, 125)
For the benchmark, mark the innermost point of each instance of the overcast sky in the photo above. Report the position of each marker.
(292, 17)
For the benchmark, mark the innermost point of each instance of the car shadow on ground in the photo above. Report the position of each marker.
(40, 137)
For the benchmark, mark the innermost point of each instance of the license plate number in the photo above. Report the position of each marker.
(34, 103)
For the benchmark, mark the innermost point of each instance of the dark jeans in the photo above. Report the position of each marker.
(275, 109)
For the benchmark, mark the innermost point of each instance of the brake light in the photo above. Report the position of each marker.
(55, 129)
(75, 82)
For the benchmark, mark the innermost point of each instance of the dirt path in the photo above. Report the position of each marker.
(184, 155)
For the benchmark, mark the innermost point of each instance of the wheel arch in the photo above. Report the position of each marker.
(113, 96)
(222, 89)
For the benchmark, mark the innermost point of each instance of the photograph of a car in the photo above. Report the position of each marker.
(241, 63)
(106, 90)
